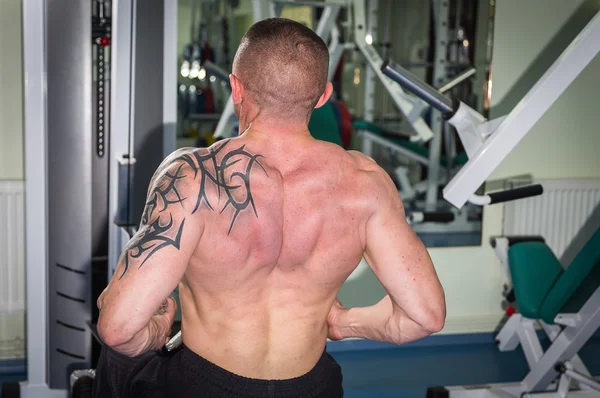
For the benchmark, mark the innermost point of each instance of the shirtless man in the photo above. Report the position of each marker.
(260, 232)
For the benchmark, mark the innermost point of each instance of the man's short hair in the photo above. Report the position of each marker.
(283, 64)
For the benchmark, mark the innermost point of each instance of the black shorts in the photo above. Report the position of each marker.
(186, 374)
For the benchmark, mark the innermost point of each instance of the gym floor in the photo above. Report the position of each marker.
(379, 371)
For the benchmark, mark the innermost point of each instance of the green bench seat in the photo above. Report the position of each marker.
(543, 288)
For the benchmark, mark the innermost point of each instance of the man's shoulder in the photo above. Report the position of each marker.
(363, 160)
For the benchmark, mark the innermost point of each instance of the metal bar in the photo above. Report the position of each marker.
(525, 114)
(530, 343)
(370, 77)
(457, 80)
(583, 379)
(216, 71)
(224, 126)
(260, 10)
(327, 21)
(169, 77)
(368, 136)
(418, 87)
(301, 3)
(565, 346)
(406, 104)
(122, 55)
(441, 16)
(36, 186)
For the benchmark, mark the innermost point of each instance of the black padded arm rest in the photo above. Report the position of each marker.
(518, 239)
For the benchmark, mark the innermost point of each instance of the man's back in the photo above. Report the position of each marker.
(259, 232)
(257, 292)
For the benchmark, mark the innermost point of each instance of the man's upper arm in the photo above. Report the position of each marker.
(398, 257)
(155, 259)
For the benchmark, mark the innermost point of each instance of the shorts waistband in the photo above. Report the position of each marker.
(316, 380)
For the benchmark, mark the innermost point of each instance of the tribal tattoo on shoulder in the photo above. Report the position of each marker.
(160, 228)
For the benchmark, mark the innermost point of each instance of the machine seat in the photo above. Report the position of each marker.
(543, 289)
(578, 283)
(534, 269)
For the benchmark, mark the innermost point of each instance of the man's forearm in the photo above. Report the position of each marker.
(151, 337)
(147, 339)
(380, 322)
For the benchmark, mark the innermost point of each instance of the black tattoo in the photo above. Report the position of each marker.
(158, 224)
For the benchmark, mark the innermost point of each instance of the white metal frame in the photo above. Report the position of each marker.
(541, 379)
(36, 213)
(410, 106)
(123, 87)
(569, 333)
(170, 72)
(488, 143)
(441, 15)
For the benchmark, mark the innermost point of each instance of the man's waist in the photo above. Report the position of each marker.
(257, 357)
(324, 368)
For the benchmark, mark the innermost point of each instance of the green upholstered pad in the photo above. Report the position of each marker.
(459, 160)
(323, 124)
(572, 281)
(534, 269)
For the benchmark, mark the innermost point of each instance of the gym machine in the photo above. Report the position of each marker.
(99, 82)
(557, 371)
(410, 106)
(487, 143)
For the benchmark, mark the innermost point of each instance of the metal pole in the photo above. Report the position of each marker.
(418, 87)
(121, 117)
(370, 79)
(583, 379)
(36, 213)
(169, 77)
(441, 15)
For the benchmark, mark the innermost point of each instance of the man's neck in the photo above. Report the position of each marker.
(275, 127)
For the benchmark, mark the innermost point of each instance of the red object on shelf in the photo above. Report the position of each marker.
(103, 41)
(510, 311)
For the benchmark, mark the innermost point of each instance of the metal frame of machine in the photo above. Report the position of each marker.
(487, 143)
(409, 105)
(558, 371)
(68, 150)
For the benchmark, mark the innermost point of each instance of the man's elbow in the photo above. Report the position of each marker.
(435, 323)
(111, 334)
(435, 320)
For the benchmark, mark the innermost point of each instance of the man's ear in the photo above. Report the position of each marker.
(325, 96)
(237, 89)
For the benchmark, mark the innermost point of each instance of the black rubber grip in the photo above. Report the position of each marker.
(517, 193)
(441, 216)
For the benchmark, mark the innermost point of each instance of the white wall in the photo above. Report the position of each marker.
(11, 91)
(563, 144)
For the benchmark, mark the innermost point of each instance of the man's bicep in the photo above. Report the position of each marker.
(395, 253)
(156, 257)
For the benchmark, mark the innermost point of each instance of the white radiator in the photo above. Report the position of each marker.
(12, 247)
(12, 270)
(557, 215)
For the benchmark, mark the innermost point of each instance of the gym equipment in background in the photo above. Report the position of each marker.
(411, 107)
(487, 143)
(83, 127)
(565, 302)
